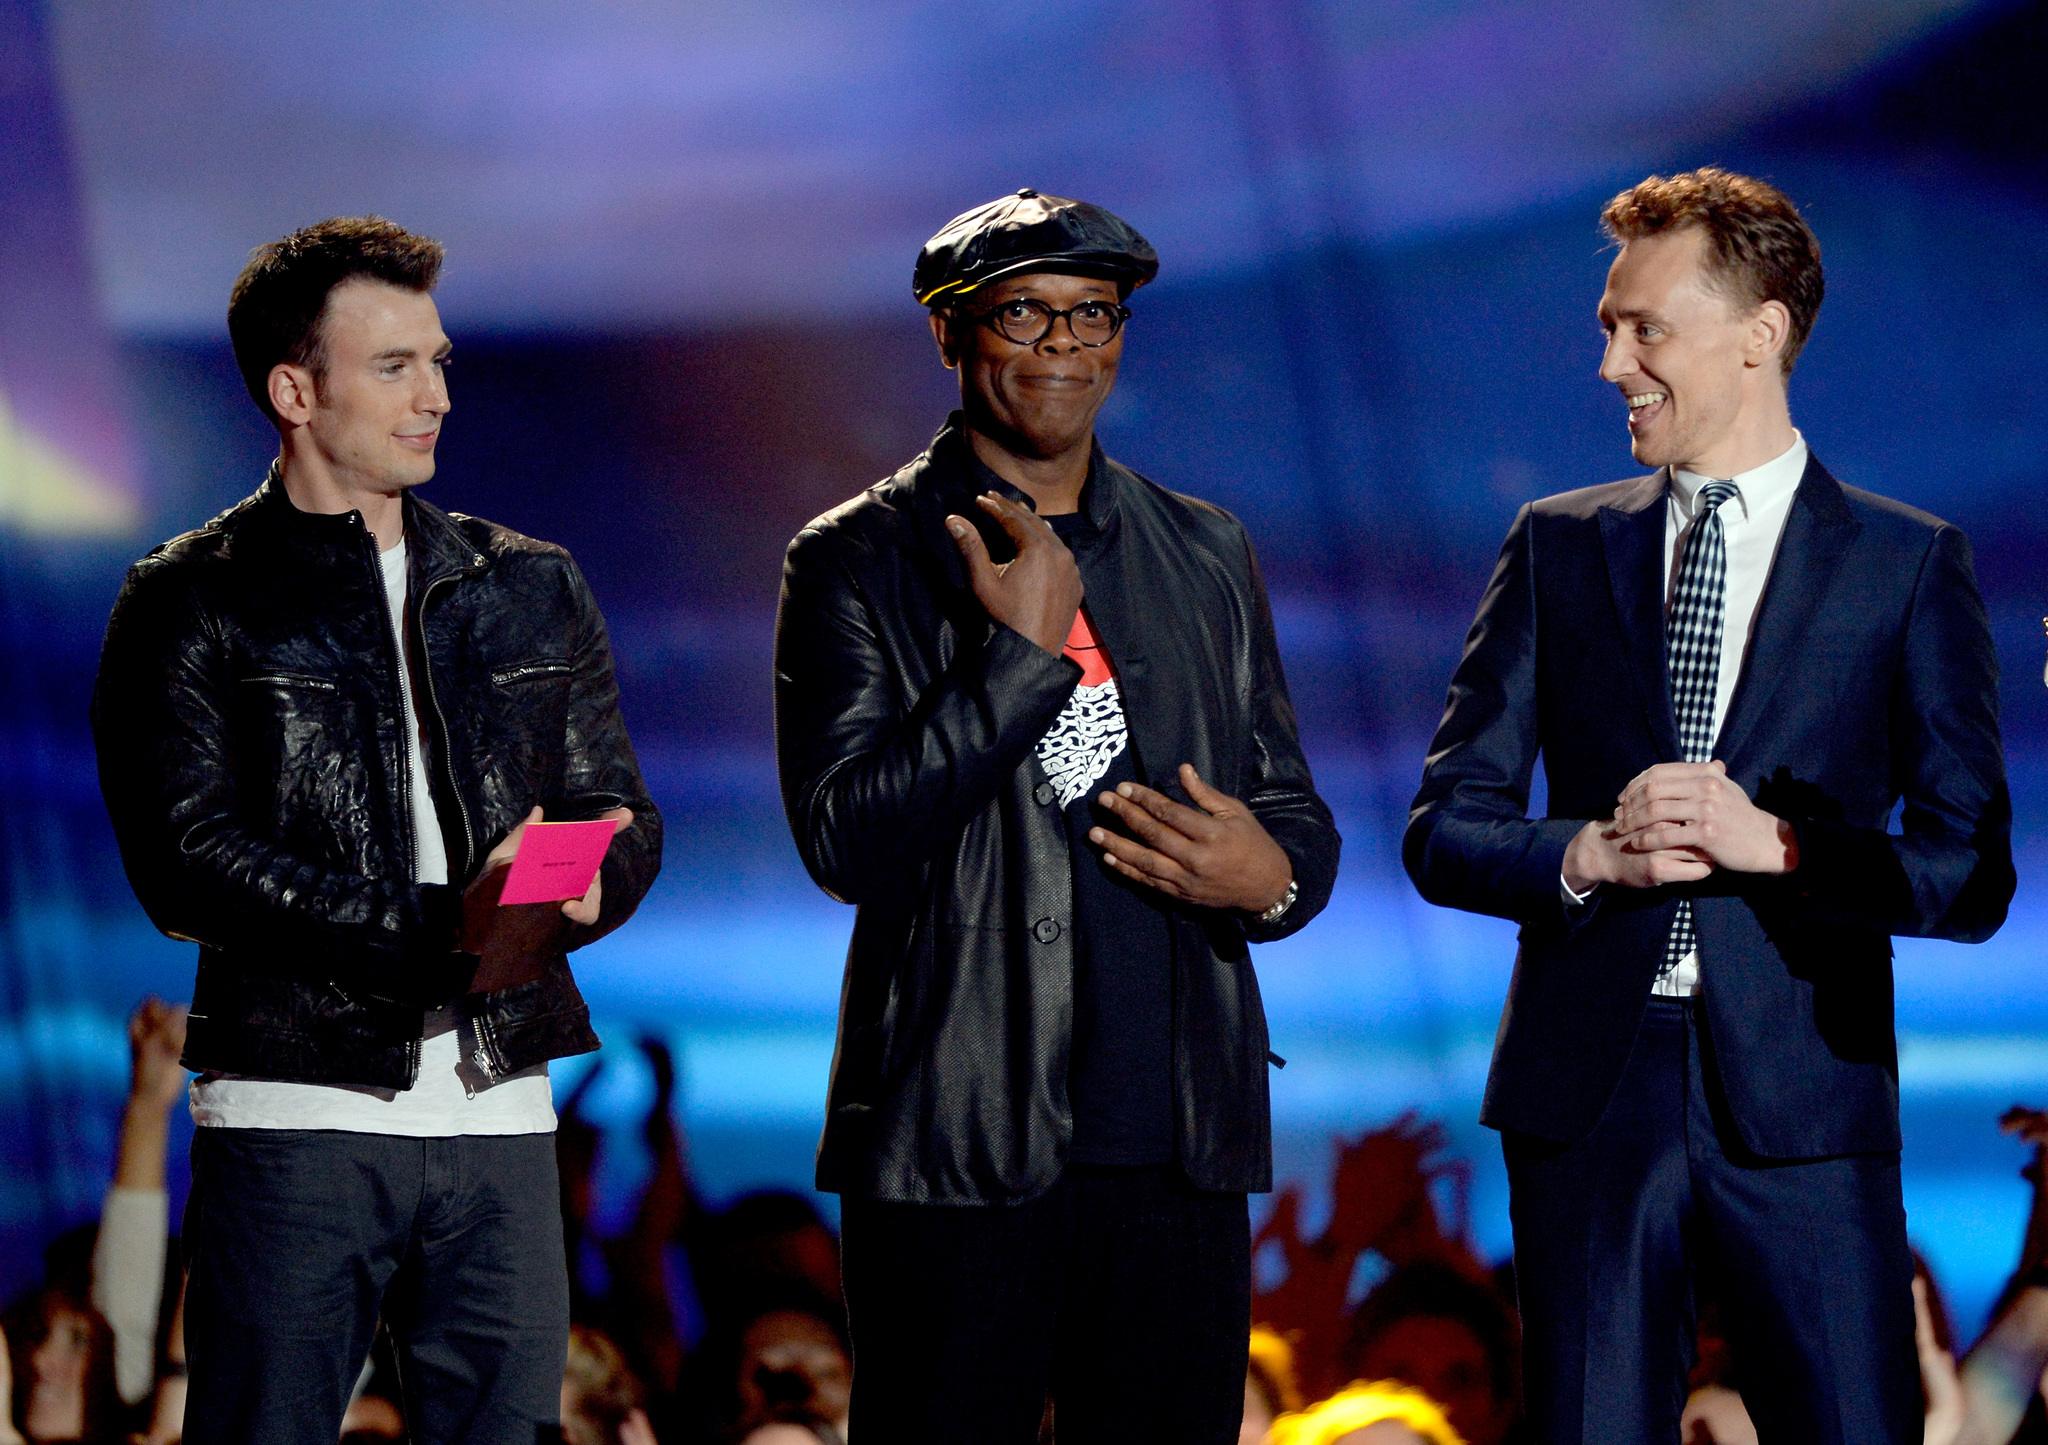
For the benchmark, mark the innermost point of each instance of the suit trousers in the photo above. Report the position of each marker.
(296, 1238)
(1122, 1294)
(1615, 1233)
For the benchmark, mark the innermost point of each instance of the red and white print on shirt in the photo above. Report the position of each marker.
(1089, 732)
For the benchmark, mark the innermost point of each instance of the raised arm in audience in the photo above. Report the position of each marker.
(2003, 1369)
(128, 1260)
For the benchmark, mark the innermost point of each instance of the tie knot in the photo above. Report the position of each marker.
(1713, 494)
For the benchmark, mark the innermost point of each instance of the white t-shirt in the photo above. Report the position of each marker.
(451, 1096)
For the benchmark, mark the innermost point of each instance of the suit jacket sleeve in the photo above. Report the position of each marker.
(1949, 872)
(202, 873)
(875, 784)
(1280, 791)
(1470, 843)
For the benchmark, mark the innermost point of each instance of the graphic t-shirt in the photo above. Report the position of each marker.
(1120, 1079)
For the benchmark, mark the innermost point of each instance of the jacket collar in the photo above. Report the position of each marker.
(1817, 531)
(948, 478)
(1632, 538)
(436, 548)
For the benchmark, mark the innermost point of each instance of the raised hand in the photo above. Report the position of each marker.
(156, 1038)
(1381, 1178)
(1037, 592)
(1219, 856)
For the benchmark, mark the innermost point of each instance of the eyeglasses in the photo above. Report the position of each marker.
(1027, 322)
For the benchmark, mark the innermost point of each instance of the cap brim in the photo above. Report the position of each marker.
(1107, 268)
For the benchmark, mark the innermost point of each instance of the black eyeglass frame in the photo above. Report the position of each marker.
(986, 317)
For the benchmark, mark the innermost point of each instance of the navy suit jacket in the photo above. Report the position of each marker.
(1870, 679)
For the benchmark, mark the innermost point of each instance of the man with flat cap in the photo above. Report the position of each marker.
(1030, 718)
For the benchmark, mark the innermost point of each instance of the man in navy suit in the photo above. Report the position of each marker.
(1734, 670)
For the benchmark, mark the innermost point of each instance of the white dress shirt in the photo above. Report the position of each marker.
(1752, 523)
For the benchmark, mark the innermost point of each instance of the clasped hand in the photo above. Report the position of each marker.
(1676, 823)
(1218, 855)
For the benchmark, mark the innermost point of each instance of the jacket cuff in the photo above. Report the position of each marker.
(1011, 652)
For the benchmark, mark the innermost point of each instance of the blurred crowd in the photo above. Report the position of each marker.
(704, 1326)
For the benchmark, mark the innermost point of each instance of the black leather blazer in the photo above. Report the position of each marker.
(253, 758)
(906, 727)
(1870, 679)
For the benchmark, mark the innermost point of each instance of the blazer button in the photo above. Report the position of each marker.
(1046, 930)
(1042, 794)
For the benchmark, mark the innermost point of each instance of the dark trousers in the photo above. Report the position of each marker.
(1122, 1294)
(295, 1239)
(1807, 1259)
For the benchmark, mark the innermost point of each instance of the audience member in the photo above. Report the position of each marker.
(2001, 1377)
(1446, 1334)
(167, 1409)
(1380, 1201)
(1269, 1388)
(1384, 1413)
(795, 1379)
(602, 1404)
(61, 1361)
(639, 1311)
(134, 1233)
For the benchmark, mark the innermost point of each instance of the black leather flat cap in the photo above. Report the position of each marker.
(1030, 232)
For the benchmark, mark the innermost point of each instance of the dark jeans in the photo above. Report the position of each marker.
(1807, 1258)
(1124, 1294)
(295, 1239)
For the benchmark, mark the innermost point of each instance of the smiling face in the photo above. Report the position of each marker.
(1038, 401)
(373, 412)
(1696, 368)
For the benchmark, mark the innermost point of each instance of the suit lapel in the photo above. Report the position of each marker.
(1632, 537)
(1818, 530)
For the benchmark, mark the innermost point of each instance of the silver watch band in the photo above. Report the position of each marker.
(1279, 910)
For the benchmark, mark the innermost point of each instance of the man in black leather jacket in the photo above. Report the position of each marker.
(324, 720)
(1062, 821)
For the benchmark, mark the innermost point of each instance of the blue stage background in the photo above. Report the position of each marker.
(678, 285)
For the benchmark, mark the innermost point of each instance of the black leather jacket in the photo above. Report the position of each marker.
(906, 728)
(253, 757)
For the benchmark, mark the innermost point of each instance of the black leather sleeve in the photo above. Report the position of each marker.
(1470, 843)
(875, 783)
(1280, 791)
(1949, 872)
(601, 767)
(202, 873)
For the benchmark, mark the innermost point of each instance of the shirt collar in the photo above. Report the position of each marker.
(1776, 480)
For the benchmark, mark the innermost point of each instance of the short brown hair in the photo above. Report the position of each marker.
(1760, 247)
(275, 310)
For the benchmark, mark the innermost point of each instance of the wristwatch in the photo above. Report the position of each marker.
(1279, 910)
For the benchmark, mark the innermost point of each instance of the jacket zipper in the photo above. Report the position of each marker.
(506, 676)
(486, 1062)
(405, 751)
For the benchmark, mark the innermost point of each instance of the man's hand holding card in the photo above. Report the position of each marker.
(540, 875)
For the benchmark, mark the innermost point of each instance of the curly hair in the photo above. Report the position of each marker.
(275, 310)
(1759, 248)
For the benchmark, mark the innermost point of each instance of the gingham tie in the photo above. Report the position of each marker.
(1693, 655)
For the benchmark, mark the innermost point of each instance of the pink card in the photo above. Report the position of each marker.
(557, 861)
